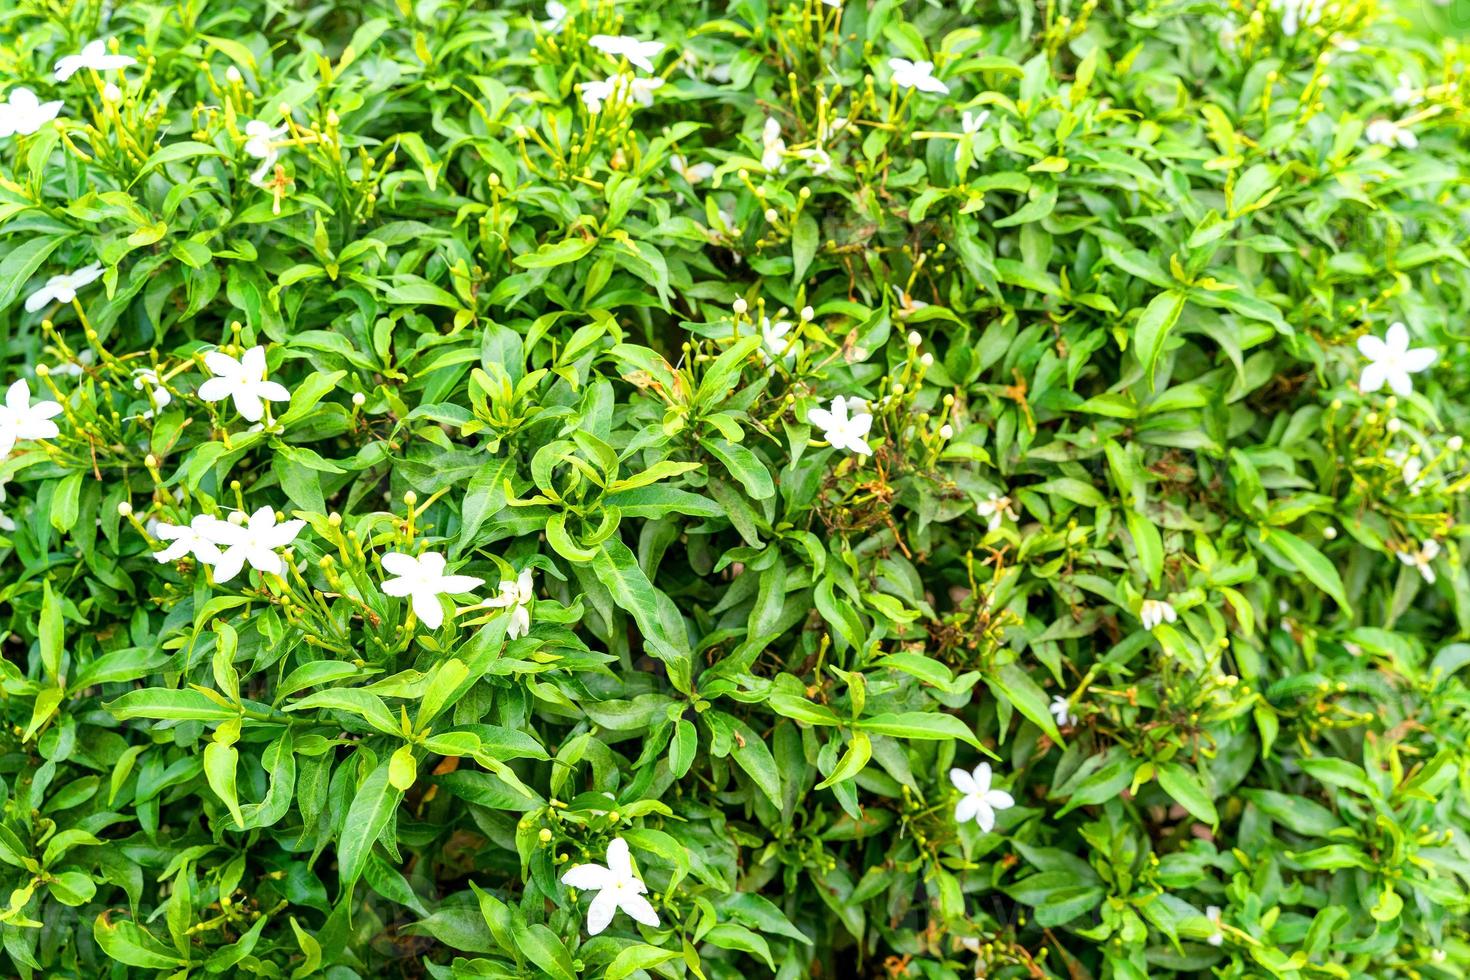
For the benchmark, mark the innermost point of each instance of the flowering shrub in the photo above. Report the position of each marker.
(807, 489)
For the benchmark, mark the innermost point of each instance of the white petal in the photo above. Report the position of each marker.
(640, 908)
(587, 877)
(1397, 338)
(427, 607)
(248, 404)
(966, 808)
(962, 781)
(600, 912)
(1374, 375)
(619, 862)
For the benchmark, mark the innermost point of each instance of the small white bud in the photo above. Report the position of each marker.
(914, 339)
(237, 517)
(124, 509)
(232, 75)
(898, 387)
(807, 314)
(741, 305)
(359, 399)
(927, 360)
(111, 93)
(1329, 532)
(771, 215)
(946, 432)
(1394, 425)
(1455, 444)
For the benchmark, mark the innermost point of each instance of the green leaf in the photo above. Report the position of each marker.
(1153, 327)
(372, 806)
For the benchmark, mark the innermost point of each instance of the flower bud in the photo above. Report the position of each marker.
(927, 360)
(111, 93)
(124, 509)
(232, 75)
(1394, 425)
(807, 314)
(771, 215)
(1455, 444)
(741, 305)
(946, 431)
(914, 339)
(359, 399)
(1329, 532)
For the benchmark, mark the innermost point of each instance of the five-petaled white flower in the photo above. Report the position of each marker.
(195, 538)
(817, 159)
(773, 147)
(978, 801)
(556, 15)
(843, 429)
(23, 113)
(260, 139)
(1406, 93)
(619, 88)
(146, 381)
(1213, 914)
(996, 509)
(243, 380)
(1391, 361)
(20, 420)
(423, 581)
(1386, 132)
(1422, 558)
(639, 53)
(776, 341)
(1155, 612)
(617, 888)
(916, 74)
(254, 541)
(94, 56)
(692, 172)
(517, 595)
(1411, 468)
(63, 288)
(1062, 711)
(970, 124)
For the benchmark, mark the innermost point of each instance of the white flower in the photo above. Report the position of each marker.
(242, 380)
(556, 15)
(94, 56)
(24, 113)
(517, 595)
(1421, 559)
(970, 124)
(145, 380)
(693, 172)
(906, 303)
(1386, 132)
(776, 341)
(842, 430)
(255, 541)
(1062, 712)
(978, 801)
(1406, 93)
(916, 74)
(63, 288)
(195, 538)
(260, 145)
(111, 93)
(78, 367)
(423, 581)
(1411, 468)
(1213, 914)
(818, 159)
(619, 88)
(1155, 612)
(616, 886)
(20, 420)
(1391, 361)
(639, 53)
(996, 509)
(1295, 13)
(773, 152)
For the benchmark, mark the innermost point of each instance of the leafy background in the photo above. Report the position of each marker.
(1135, 291)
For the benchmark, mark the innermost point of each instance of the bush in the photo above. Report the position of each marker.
(819, 491)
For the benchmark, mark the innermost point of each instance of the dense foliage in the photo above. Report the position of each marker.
(703, 490)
